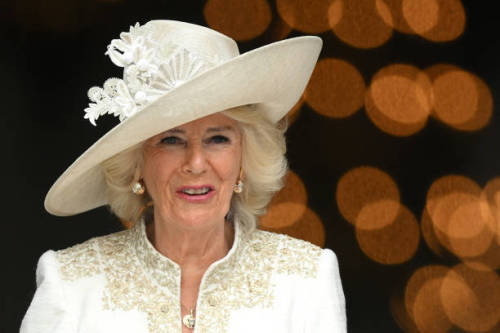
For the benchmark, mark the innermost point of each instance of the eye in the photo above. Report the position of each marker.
(171, 140)
(218, 139)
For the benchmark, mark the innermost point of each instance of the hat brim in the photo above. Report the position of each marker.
(272, 77)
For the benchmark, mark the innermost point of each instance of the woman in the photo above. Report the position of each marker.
(195, 160)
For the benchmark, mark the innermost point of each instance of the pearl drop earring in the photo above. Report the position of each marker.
(238, 187)
(138, 188)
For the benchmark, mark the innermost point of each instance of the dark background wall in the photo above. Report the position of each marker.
(393, 147)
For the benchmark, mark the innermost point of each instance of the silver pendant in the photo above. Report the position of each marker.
(189, 319)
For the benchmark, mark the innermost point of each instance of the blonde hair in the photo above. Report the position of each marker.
(263, 162)
(120, 172)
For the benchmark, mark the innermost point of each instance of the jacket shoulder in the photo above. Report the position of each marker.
(84, 259)
(291, 256)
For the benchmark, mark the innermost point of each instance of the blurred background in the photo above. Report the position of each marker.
(393, 148)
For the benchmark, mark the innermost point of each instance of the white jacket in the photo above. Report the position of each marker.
(119, 283)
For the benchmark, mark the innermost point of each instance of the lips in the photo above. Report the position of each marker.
(196, 193)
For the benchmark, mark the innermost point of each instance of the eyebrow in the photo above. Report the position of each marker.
(175, 130)
(220, 129)
(209, 130)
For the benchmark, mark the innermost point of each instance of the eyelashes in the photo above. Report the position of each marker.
(219, 139)
(171, 140)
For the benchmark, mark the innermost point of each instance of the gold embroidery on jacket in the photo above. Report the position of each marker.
(139, 278)
(79, 261)
(128, 286)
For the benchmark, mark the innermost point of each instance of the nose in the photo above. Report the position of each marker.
(195, 161)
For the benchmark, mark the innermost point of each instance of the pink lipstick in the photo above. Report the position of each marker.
(196, 193)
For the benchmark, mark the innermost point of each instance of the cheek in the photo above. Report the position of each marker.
(157, 171)
(228, 168)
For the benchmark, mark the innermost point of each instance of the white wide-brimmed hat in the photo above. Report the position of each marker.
(174, 73)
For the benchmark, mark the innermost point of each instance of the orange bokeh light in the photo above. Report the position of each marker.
(490, 213)
(336, 88)
(399, 99)
(288, 205)
(461, 99)
(293, 190)
(456, 97)
(490, 258)
(282, 215)
(421, 15)
(490, 198)
(435, 20)
(446, 185)
(469, 233)
(288, 213)
(395, 243)
(450, 23)
(304, 15)
(358, 23)
(362, 186)
(422, 299)
(391, 12)
(240, 19)
(308, 227)
(428, 313)
(471, 298)
(378, 214)
(458, 218)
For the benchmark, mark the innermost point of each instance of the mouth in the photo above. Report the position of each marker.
(196, 191)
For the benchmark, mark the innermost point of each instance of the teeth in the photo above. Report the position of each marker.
(192, 191)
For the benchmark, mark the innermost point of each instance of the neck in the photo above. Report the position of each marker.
(189, 248)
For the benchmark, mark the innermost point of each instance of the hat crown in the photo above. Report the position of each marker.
(157, 57)
(197, 39)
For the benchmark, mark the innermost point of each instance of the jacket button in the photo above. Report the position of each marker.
(212, 301)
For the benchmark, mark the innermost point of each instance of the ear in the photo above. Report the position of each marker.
(137, 173)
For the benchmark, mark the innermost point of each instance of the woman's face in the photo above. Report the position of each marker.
(189, 171)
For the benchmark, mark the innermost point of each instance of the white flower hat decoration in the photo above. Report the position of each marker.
(174, 73)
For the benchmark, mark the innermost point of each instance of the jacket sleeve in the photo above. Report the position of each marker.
(47, 311)
(327, 311)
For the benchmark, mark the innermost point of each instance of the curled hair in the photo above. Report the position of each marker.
(120, 172)
(263, 162)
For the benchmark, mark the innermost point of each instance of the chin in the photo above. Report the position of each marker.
(199, 219)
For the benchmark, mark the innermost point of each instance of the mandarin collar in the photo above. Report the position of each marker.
(165, 271)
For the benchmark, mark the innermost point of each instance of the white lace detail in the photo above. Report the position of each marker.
(140, 278)
(151, 69)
